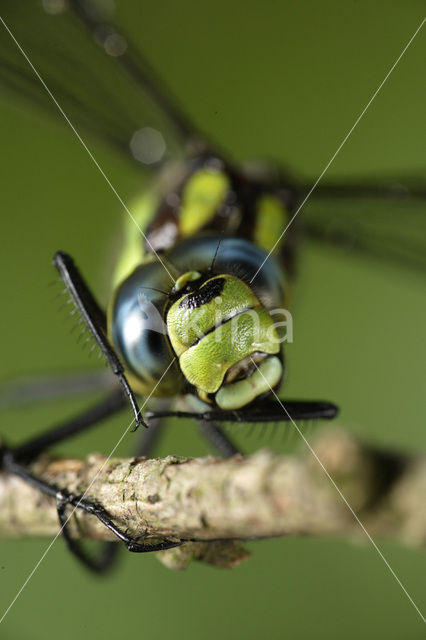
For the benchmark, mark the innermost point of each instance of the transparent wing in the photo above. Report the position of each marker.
(385, 220)
(106, 86)
(99, 78)
(33, 390)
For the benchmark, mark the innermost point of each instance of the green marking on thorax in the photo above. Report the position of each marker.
(271, 220)
(134, 253)
(202, 195)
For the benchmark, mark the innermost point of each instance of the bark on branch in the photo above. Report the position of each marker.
(259, 496)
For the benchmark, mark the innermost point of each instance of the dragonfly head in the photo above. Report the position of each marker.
(211, 333)
(225, 339)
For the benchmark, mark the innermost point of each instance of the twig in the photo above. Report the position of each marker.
(259, 496)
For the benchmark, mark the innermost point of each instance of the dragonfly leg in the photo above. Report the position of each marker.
(63, 497)
(277, 411)
(221, 442)
(99, 563)
(91, 417)
(16, 460)
(95, 320)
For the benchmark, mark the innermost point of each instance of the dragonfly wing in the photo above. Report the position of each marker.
(385, 220)
(96, 74)
(32, 390)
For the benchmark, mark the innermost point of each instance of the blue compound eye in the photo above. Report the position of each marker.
(139, 333)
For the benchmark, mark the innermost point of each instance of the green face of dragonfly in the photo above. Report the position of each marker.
(225, 340)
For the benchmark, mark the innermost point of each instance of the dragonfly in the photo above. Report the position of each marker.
(205, 264)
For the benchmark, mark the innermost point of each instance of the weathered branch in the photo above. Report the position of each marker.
(259, 496)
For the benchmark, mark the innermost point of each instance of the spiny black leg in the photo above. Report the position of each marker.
(109, 550)
(265, 412)
(95, 320)
(10, 464)
(214, 434)
(149, 439)
(108, 406)
(106, 558)
(14, 461)
(64, 498)
(100, 563)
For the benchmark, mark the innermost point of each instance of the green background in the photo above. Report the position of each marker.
(265, 79)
